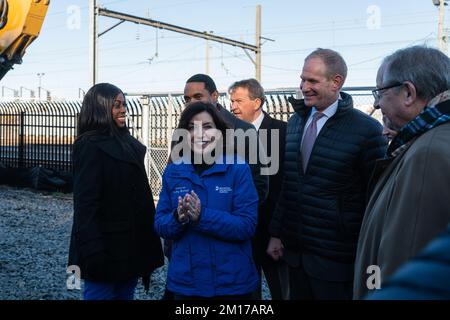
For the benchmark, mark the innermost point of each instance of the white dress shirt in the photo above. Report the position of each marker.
(258, 121)
(328, 113)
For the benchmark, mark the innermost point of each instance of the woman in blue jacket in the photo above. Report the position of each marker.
(208, 207)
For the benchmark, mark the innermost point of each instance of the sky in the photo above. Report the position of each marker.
(139, 58)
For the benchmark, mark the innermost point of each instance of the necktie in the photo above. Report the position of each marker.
(309, 139)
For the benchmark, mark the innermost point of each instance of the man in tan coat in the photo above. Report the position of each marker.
(409, 204)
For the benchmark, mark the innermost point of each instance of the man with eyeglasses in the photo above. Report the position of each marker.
(388, 131)
(409, 204)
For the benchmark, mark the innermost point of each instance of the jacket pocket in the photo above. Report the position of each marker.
(234, 265)
(180, 267)
(117, 235)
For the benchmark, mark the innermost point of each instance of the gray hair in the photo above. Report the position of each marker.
(333, 61)
(427, 68)
(255, 90)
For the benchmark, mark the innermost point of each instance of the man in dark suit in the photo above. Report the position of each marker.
(247, 100)
(331, 149)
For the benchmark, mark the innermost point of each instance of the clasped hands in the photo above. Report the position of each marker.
(189, 208)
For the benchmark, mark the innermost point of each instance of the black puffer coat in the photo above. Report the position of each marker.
(320, 211)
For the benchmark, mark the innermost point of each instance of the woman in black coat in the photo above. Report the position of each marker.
(113, 241)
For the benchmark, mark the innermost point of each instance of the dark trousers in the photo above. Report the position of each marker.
(123, 290)
(304, 287)
(168, 295)
(274, 271)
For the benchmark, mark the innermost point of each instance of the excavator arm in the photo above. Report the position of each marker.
(20, 24)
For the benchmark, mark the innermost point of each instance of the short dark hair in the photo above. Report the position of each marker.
(195, 108)
(95, 114)
(207, 80)
(255, 90)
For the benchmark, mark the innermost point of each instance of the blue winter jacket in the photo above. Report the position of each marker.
(212, 257)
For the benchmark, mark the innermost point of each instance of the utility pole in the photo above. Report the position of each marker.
(93, 38)
(40, 75)
(48, 93)
(207, 57)
(258, 44)
(441, 24)
(14, 91)
(207, 54)
(204, 35)
(31, 92)
(446, 41)
(81, 93)
(441, 37)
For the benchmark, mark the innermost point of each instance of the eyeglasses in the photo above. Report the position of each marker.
(377, 92)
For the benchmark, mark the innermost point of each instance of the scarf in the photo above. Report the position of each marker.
(433, 115)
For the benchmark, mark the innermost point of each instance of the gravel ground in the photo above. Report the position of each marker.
(34, 241)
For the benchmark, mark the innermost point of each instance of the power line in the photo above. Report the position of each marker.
(348, 28)
(238, 56)
(267, 30)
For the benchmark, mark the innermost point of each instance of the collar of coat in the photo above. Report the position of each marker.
(344, 105)
(111, 147)
(436, 113)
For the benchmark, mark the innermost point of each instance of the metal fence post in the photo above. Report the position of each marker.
(145, 102)
(22, 139)
(169, 124)
(32, 127)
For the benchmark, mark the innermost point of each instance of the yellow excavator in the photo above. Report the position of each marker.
(20, 24)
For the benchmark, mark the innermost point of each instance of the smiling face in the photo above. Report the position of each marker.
(119, 111)
(319, 90)
(204, 134)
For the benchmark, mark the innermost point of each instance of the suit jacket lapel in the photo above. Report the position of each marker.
(267, 122)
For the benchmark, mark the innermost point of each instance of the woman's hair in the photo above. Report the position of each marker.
(96, 110)
(198, 107)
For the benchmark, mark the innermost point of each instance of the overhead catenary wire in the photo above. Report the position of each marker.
(133, 67)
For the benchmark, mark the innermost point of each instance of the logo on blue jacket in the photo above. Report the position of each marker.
(223, 189)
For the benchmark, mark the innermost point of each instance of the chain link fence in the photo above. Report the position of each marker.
(42, 133)
(162, 112)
